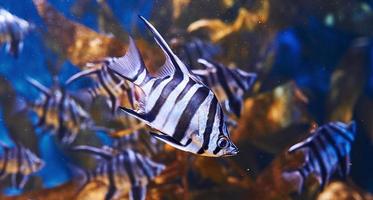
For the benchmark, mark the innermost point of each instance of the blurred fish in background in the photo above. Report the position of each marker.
(12, 31)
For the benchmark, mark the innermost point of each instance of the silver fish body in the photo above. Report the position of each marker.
(59, 113)
(18, 162)
(327, 151)
(179, 108)
(107, 84)
(12, 31)
(122, 171)
(228, 84)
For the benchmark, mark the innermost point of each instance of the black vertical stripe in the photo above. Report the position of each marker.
(111, 95)
(45, 108)
(166, 91)
(143, 168)
(190, 59)
(128, 166)
(190, 110)
(185, 90)
(341, 132)
(221, 125)
(73, 114)
(157, 82)
(231, 98)
(236, 78)
(341, 160)
(209, 125)
(61, 112)
(320, 161)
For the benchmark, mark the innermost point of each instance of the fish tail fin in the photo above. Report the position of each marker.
(131, 66)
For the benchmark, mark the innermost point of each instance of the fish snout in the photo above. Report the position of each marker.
(232, 150)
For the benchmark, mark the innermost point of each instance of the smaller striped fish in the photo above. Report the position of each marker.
(18, 162)
(190, 51)
(117, 91)
(327, 151)
(12, 31)
(228, 84)
(60, 113)
(123, 171)
(140, 142)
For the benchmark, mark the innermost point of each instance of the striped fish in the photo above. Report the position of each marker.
(140, 142)
(124, 171)
(179, 109)
(327, 151)
(114, 88)
(228, 84)
(60, 113)
(12, 31)
(189, 52)
(18, 162)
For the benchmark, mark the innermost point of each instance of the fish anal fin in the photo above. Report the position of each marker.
(139, 116)
(169, 139)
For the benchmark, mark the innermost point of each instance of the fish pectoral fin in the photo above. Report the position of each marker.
(139, 116)
(138, 192)
(169, 139)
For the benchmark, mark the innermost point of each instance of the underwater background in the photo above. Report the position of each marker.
(313, 62)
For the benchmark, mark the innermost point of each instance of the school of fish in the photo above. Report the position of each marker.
(188, 104)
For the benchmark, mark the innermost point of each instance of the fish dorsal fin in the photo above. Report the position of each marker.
(206, 63)
(247, 78)
(167, 69)
(129, 65)
(301, 144)
(81, 74)
(102, 152)
(39, 86)
(200, 72)
(170, 56)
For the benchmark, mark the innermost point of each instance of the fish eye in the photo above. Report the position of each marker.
(223, 142)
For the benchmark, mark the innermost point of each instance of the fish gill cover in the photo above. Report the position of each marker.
(180, 99)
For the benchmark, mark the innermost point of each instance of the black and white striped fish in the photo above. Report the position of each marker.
(118, 91)
(124, 171)
(12, 31)
(176, 105)
(327, 151)
(60, 113)
(228, 84)
(140, 142)
(189, 52)
(19, 163)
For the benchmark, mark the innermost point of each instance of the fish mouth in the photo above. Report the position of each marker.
(232, 152)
